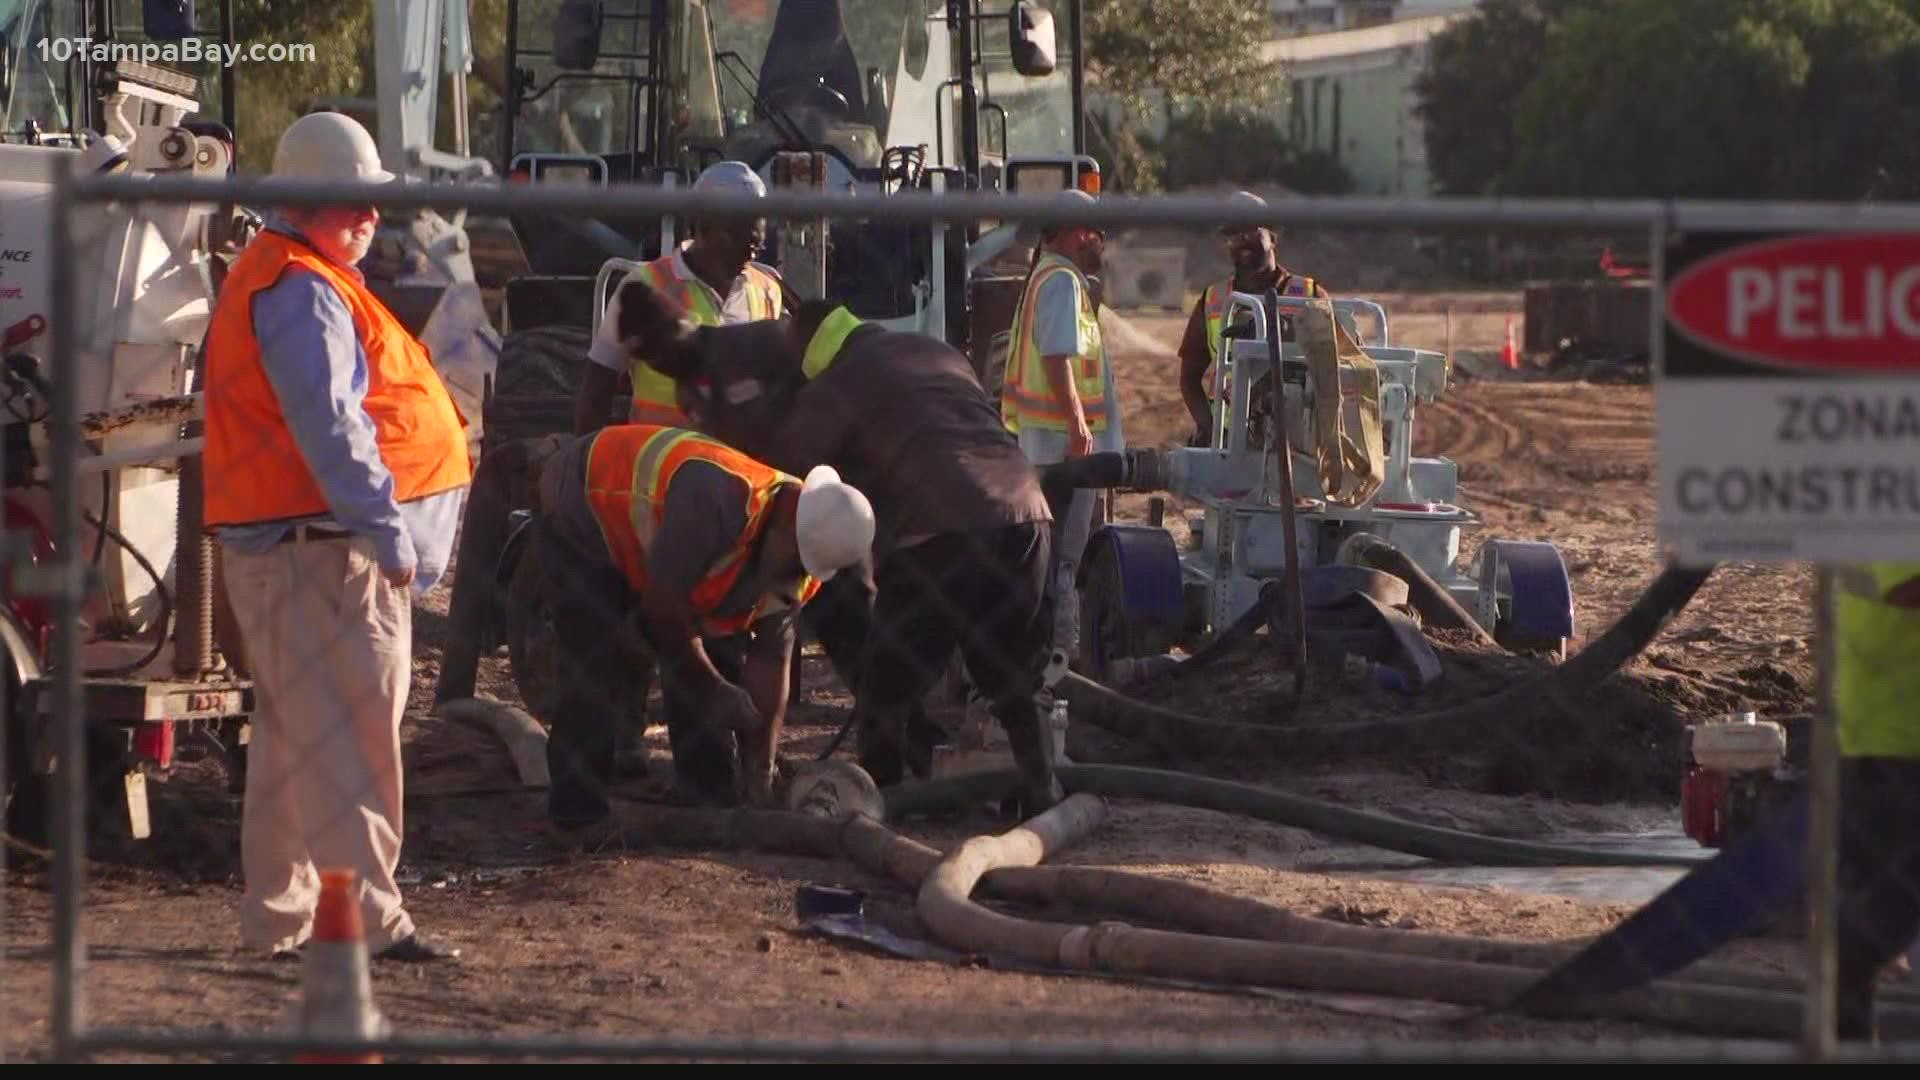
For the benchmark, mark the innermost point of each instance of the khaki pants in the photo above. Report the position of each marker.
(330, 647)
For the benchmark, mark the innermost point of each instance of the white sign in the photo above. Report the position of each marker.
(1789, 399)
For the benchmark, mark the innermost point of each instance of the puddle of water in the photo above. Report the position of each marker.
(1601, 884)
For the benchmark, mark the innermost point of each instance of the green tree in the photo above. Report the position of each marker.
(1466, 95)
(1810, 99)
(1199, 54)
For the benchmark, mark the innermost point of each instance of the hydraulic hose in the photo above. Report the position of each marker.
(1266, 804)
(945, 907)
(161, 622)
(1435, 604)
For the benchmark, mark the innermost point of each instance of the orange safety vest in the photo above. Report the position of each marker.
(254, 468)
(630, 468)
(654, 399)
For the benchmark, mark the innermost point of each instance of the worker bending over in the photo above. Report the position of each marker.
(711, 278)
(963, 534)
(1876, 681)
(718, 552)
(1254, 254)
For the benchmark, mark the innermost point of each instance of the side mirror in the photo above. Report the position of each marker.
(166, 20)
(1030, 35)
(576, 34)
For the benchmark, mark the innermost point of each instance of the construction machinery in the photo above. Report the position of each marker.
(1347, 492)
(842, 95)
(876, 96)
(144, 283)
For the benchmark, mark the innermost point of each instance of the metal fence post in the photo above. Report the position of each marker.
(70, 771)
(1823, 837)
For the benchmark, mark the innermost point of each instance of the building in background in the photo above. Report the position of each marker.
(1352, 96)
(1294, 17)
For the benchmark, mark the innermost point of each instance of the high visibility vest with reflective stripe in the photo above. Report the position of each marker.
(630, 468)
(255, 469)
(1029, 398)
(654, 400)
(1216, 305)
(1876, 663)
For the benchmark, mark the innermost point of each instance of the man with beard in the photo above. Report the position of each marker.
(1254, 254)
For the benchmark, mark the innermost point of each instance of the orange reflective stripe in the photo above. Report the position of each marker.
(1047, 407)
(1029, 394)
(630, 468)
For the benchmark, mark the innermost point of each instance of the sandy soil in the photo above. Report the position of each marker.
(633, 942)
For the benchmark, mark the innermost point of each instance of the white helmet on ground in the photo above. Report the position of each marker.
(833, 524)
(328, 146)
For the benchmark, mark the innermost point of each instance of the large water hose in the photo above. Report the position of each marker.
(1436, 605)
(952, 918)
(1108, 892)
(1265, 804)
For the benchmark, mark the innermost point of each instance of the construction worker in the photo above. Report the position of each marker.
(717, 551)
(336, 465)
(1876, 679)
(963, 542)
(1254, 255)
(1059, 399)
(712, 278)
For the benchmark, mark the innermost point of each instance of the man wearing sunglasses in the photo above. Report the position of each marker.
(1254, 255)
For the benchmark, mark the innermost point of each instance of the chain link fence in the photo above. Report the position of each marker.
(959, 625)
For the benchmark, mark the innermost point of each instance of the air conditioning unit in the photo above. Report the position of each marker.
(1145, 277)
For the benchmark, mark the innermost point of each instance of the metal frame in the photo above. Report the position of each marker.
(72, 1038)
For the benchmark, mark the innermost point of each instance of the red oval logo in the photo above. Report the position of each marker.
(1831, 302)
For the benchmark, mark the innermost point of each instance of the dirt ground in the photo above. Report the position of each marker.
(634, 943)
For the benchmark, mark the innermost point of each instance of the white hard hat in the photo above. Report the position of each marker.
(328, 146)
(834, 524)
(733, 176)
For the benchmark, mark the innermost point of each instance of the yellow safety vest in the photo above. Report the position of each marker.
(654, 400)
(1029, 398)
(824, 347)
(1876, 663)
(1216, 296)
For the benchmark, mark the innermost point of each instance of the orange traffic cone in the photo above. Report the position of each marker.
(336, 993)
(1509, 355)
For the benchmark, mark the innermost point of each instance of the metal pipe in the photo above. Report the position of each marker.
(1079, 67)
(1190, 211)
(1184, 211)
(70, 780)
(140, 455)
(1205, 1049)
